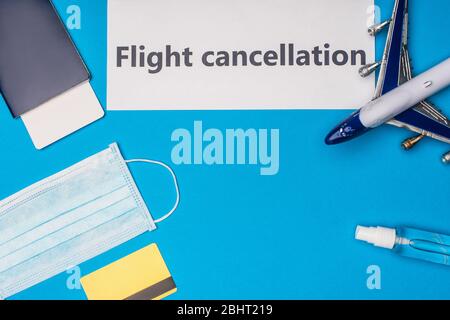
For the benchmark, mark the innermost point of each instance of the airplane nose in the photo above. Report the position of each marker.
(347, 130)
(334, 137)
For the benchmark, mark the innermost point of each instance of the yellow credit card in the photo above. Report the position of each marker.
(142, 275)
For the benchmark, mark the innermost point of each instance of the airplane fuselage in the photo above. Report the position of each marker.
(391, 104)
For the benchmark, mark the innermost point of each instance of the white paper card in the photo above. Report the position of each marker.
(63, 115)
(238, 54)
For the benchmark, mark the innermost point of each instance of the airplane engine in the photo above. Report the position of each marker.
(410, 143)
(446, 158)
(368, 69)
(377, 28)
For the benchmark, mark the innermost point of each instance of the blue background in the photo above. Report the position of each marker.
(240, 235)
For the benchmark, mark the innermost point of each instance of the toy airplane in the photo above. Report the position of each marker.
(399, 98)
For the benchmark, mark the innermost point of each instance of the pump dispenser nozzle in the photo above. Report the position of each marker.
(378, 236)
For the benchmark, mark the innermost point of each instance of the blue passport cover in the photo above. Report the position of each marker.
(38, 60)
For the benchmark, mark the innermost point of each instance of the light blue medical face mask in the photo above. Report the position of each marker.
(69, 218)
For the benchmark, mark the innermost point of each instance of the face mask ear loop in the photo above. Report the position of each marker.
(175, 181)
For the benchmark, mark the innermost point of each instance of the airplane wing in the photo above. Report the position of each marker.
(424, 119)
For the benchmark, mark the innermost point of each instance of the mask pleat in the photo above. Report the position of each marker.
(52, 202)
(65, 232)
(63, 220)
(75, 251)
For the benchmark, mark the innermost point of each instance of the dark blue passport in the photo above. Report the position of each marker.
(38, 60)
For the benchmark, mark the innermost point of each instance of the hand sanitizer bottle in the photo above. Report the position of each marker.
(408, 242)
